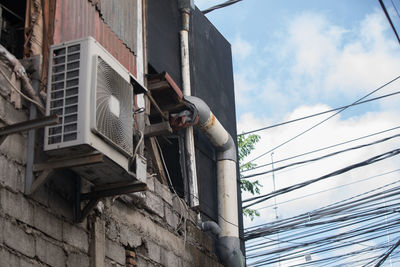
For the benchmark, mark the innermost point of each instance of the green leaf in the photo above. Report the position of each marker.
(246, 145)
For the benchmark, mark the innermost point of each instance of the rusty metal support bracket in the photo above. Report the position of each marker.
(27, 126)
(93, 197)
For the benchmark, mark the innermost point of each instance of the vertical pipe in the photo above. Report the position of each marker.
(228, 245)
(189, 137)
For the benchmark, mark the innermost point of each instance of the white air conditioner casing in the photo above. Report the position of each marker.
(92, 94)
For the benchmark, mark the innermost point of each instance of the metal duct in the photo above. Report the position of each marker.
(228, 247)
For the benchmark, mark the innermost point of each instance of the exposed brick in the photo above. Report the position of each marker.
(49, 253)
(153, 251)
(130, 254)
(17, 206)
(11, 174)
(47, 223)
(16, 238)
(78, 259)
(154, 204)
(130, 261)
(75, 236)
(115, 251)
(129, 237)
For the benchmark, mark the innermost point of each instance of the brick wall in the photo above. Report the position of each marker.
(146, 229)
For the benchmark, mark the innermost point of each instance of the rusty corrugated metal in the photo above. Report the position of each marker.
(76, 19)
(121, 16)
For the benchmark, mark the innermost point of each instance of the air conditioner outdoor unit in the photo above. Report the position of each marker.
(92, 94)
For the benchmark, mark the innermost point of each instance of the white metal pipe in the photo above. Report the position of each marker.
(189, 137)
(227, 198)
(228, 242)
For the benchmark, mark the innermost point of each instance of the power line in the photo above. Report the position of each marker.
(365, 232)
(389, 19)
(321, 122)
(395, 8)
(324, 148)
(335, 173)
(333, 188)
(318, 114)
(381, 261)
(225, 4)
(342, 203)
(322, 157)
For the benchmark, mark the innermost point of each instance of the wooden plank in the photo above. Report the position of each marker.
(157, 160)
(136, 187)
(158, 85)
(157, 129)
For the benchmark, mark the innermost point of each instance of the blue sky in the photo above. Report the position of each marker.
(295, 58)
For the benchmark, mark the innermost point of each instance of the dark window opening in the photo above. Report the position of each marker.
(174, 156)
(12, 23)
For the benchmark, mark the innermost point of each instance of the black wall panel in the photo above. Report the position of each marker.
(163, 44)
(211, 80)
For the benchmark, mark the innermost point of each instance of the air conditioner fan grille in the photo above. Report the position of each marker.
(114, 105)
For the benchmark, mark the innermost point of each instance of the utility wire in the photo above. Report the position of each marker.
(347, 204)
(333, 188)
(321, 122)
(389, 19)
(225, 4)
(318, 114)
(322, 157)
(321, 149)
(381, 261)
(395, 8)
(335, 173)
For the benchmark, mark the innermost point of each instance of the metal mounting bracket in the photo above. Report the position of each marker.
(90, 199)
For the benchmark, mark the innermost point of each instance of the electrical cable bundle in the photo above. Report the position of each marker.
(331, 231)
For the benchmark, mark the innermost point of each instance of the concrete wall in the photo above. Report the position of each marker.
(149, 229)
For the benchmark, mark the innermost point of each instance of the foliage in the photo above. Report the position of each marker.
(246, 144)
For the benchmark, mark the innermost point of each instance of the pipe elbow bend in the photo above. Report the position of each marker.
(211, 226)
(229, 252)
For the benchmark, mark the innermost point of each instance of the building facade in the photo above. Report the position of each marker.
(51, 216)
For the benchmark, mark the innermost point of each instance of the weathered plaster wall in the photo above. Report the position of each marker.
(143, 230)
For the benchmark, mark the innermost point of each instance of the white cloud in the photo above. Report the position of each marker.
(335, 131)
(314, 60)
(241, 49)
(313, 65)
(338, 60)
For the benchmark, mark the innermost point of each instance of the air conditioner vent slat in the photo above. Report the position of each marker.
(64, 93)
